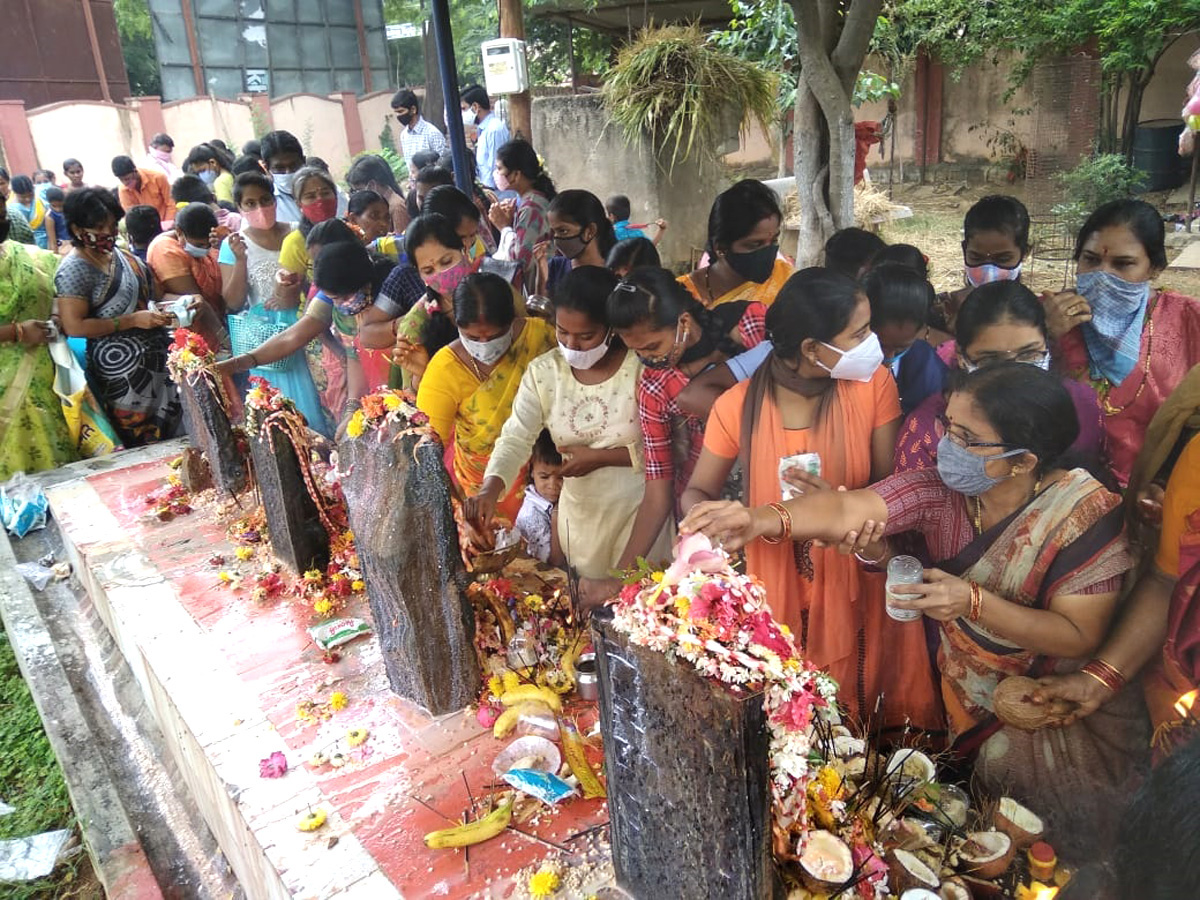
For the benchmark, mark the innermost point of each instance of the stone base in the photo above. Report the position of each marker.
(208, 426)
(688, 783)
(298, 537)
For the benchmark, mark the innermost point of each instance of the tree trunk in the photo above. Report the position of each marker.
(810, 164)
(520, 106)
(1133, 112)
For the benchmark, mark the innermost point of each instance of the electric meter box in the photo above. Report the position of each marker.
(504, 69)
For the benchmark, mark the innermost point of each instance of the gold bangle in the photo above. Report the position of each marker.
(785, 519)
(20, 332)
(976, 602)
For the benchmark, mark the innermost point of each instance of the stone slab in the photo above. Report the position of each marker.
(298, 538)
(1189, 258)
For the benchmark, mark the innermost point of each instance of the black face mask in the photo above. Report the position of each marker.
(5, 226)
(756, 265)
(405, 118)
(571, 247)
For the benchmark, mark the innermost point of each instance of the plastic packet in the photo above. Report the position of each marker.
(336, 632)
(808, 462)
(38, 576)
(544, 786)
(22, 505)
(539, 724)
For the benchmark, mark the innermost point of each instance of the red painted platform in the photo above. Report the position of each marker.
(225, 674)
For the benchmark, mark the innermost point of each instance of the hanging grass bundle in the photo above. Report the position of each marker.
(676, 86)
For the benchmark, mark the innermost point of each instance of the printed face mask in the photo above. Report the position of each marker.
(756, 265)
(585, 359)
(487, 352)
(261, 217)
(445, 281)
(320, 210)
(989, 272)
(858, 364)
(352, 306)
(665, 362)
(965, 472)
(1111, 292)
(101, 243)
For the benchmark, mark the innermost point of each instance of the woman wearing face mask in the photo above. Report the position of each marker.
(995, 244)
(743, 248)
(1029, 558)
(469, 385)
(316, 194)
(823, 390)
(999, 322)
(371, 172)
(1116, 333)
(249, 260)
(214, 166)
(580, 235)
(584, 394)
(523, 223)
(102, 296)
(347, 279)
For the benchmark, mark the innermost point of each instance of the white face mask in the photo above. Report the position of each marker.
(585, 359)
(283, 181)
(858, 364)
(487, 352)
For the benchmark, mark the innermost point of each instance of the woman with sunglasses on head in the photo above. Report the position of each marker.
(103, 293)
(1029, 560)
(999, 322)
(676, 338)
(584, 394)
(823, 390)
(580, 235)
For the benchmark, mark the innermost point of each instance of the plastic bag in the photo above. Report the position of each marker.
(544, 786)
(38, 576)
(22, 505)
(90, 429)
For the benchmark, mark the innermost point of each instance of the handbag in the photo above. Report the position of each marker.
(89, 427)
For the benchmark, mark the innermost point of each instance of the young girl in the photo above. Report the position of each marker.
(580, 235)
(535, 521)
(900, 300)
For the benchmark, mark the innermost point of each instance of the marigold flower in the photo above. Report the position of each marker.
(323, 607)
(358, 585)
(311, 820)
(543, 882)
(356, 736)
(338, 701)
(314, 576)
(354, 428)
(244, 553)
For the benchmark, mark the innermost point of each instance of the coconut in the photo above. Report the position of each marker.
(910, 834)
(1019, 823)
(1013, 704)
(955, 889)
(987, 854)
(908, 872)
(826, 863)
(912, 764)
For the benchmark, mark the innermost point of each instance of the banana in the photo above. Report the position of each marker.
(567, 661)
(577, 760)
(510, 680)
(508, 719)
(531, 692)
(482, 829)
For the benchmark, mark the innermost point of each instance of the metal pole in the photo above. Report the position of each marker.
(1192, 187)
(464, 169)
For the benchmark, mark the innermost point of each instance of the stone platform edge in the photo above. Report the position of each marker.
(211, 723)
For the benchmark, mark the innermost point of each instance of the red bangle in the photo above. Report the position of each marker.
(976, 602)
(785, 518)
(1107, 674)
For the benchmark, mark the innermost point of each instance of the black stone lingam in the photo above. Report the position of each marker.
(298, 538)
(208, 427)
(688, 785)
(398, 498)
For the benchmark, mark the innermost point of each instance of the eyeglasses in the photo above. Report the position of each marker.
(966, 444)
(1029, 357)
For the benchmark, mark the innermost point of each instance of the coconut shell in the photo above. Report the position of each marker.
(955, 889)
(1016, 821)
(1013, 705)
(821, 845)
(992, 866)
(909, 871)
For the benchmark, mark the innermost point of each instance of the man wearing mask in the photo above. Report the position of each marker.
(284, 157)
(492, 133)
(184, 262)
(158, 157)
(143, 187)
(416, 134)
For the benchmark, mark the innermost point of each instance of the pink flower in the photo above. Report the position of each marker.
(629, 592)
(274, 766)
(694, 553)
(796, 713)
(766, 634)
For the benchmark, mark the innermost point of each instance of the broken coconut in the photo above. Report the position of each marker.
(954, 889)
(908, 871)
(987, 854)
(1019, 823)
(826, 862)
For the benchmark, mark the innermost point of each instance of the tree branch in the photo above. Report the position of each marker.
(852, 45)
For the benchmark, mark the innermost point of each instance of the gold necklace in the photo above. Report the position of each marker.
(1109, 409)
(1037, 486)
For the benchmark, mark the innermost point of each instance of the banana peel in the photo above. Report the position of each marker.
(482, 829)
(577, 760)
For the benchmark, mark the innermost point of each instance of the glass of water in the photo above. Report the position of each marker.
(903, 570)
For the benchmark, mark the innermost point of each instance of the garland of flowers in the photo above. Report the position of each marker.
(377, 411)
(702, 611)
(189, 358)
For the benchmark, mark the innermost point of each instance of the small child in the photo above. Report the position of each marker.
(900, 301)
(535, 520)
(55, 198)
(142, 225)
(619, 210)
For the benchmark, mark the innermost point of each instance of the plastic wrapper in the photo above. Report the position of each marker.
(543, 786)
(538, 725)
(336, 632)
(22, 505)
(808, 462)
(38, 576)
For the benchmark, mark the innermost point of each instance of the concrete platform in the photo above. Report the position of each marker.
(222, 677)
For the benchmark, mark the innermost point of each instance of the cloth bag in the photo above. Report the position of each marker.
(90, 429)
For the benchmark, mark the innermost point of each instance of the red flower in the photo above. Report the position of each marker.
(418, 418)
(766, 633)
(629, 592)
(796, 713)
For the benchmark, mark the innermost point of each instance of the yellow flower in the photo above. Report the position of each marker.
(787, 632)
(495, 686)
(682, 605)
(391, 401)
(543, 883)
(354, 428)
(534, 602)
(314, 576)
(511, 681)
(356, 736)
(657, 577)
(225, 577)
(322, 607)
(358, 585)
(243, 553)
(338, 701)
(311, 820)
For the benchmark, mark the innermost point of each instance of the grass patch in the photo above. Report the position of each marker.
(31, 780)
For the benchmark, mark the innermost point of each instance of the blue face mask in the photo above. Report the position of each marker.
(208, 176)
(1104, 289)
(965, 472)
(195, 251)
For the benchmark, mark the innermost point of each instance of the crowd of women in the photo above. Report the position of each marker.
(1037, 454)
